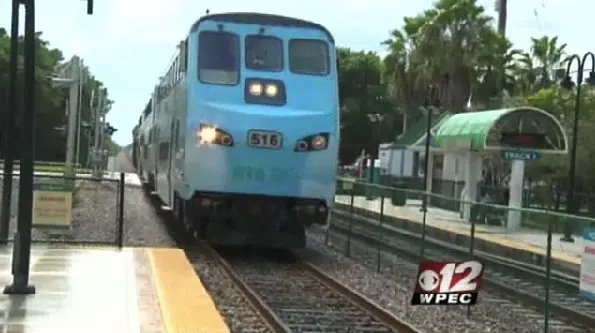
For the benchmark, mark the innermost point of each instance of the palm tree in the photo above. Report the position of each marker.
(400, 77)
(539, 66)
(490, 84)
(449, 39)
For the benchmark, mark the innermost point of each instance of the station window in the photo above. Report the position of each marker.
(264, 53)
(218, 58)
(309, 56)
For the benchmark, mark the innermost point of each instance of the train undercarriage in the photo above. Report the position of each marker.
(240, 219)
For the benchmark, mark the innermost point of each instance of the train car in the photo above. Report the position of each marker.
(245, 130)
(146, 134)
(135, 151)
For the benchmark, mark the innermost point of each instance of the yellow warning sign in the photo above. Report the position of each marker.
(52, 205)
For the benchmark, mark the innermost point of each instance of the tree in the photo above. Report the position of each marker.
(364, 104)
(448, 39)
(51, 102)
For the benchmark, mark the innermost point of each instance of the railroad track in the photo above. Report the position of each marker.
(294, 296)
(520, 281)
(283, 293)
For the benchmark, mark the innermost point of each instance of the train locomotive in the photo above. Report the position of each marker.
(240, 137)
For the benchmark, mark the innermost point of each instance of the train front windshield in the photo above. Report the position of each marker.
(264, 53)
(308, 56)
(219, 58)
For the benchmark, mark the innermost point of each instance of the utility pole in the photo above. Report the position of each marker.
(75, 77)
(98, 118)
(69, 75)
(89, 144)
(81, 81)
(502, 9)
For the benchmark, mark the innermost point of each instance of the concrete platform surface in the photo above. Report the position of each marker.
(87, 290)
(523, 244)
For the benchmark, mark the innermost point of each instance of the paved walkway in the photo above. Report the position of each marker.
(535, 240)
(77, 291)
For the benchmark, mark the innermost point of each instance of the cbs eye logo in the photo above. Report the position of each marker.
(445, 277)
(428, 280)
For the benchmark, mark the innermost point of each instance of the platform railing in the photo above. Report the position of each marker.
(73, 210)
(484, 229)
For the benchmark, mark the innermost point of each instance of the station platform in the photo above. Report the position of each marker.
(525, 245)
(144, 290)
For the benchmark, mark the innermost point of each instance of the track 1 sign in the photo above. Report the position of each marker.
(521, 155)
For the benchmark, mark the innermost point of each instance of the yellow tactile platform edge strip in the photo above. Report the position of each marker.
(186, 306)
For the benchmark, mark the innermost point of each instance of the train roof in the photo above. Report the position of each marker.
(263, 19)
(147, 110)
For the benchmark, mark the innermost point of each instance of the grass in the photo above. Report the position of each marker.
(42, 166)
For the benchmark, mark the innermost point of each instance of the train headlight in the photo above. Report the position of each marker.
(271, 90)
(313, 142)
(264, 92)
(319, 142)
(209, 134)
(255, 89)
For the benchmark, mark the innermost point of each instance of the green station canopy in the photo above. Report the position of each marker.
(483, 130)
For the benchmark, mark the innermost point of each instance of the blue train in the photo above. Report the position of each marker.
(241, 135)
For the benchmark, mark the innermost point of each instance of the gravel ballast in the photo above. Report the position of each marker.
(392, 288)
(238, 314)
(95, 217)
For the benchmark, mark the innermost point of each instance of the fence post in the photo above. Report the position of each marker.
(424, 208)
(332, 213)
(380, 220)
(471, 246)
(348, 250)
(328, 227)
(548, 269)
(121, 212)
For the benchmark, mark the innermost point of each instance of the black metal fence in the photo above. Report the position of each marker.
(73, 210)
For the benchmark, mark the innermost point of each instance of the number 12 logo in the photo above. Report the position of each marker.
(449, 277)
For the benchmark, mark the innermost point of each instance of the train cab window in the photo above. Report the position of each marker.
(264, 53)
(308, 56)
(218, 58)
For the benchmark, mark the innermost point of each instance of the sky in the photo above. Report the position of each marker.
(128, 43)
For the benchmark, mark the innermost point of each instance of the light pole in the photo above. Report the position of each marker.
(432, 102)
(567, 84)
(21, 253)
(9, 123)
